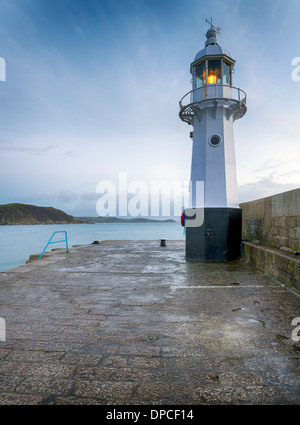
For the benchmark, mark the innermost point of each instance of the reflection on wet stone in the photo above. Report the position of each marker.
(126, 322)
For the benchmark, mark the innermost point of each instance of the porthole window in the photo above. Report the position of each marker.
(215, 140)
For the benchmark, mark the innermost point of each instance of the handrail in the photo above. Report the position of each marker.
(49, 242)
(207, 86)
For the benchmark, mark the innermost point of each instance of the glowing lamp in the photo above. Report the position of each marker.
(212, 79)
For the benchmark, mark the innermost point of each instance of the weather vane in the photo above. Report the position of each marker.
(210, 22)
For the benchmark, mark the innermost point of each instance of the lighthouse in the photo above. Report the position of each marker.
(213, 217)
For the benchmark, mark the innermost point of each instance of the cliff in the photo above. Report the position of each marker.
(30, 214)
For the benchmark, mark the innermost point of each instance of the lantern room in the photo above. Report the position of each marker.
(213, 64)
(212, 71)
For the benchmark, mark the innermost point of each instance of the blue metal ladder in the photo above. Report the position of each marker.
(50, 241)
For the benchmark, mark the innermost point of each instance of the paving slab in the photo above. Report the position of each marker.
(131, 322)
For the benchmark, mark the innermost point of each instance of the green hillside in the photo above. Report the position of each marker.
(30, 214)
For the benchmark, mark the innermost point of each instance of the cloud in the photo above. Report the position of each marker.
(70, 154)
(5, 147)
(263, 188)
(78, 29)
(96, 93)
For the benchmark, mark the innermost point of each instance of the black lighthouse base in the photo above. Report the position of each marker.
(219, 237)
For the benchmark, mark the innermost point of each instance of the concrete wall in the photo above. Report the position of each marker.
(273, 221)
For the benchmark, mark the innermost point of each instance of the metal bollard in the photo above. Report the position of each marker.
(163, 242)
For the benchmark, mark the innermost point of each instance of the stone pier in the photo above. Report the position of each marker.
(131, 322)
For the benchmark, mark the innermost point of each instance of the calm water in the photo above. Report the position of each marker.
(17, 243)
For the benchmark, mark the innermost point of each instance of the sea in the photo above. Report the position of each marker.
(17, 243)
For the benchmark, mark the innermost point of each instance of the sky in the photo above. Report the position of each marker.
(92, 87)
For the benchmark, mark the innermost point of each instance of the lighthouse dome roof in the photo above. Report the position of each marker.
(212, 46)
(212, 50)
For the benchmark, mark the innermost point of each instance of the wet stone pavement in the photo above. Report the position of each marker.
(135, 323)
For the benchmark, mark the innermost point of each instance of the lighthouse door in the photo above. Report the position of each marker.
(216, 235)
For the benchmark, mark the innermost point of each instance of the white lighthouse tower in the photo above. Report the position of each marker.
(211, 108)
